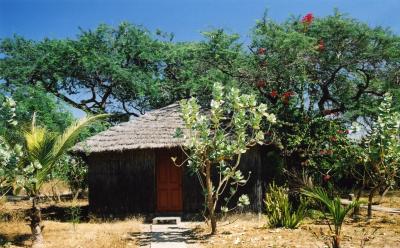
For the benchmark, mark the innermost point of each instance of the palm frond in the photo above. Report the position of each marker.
(67, 139)
(334, 207)
(46, 148)
(39, 145)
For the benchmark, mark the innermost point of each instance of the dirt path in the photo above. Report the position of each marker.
(376, 208)
(165, 236)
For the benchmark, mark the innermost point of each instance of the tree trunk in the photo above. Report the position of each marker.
(36, 228)
(336, 241)
(370, 198)
(356, 211)
(382, 194)
(210, 200)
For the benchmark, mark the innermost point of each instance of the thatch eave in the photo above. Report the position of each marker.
(155, 129)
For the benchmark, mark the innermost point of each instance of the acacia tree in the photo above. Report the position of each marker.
(42, 151)
(217, 139)
(124, 70)
(115, 68)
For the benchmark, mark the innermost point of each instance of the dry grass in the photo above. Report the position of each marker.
(56, 234)
(14, 230)
(250, 231)
(55, 187)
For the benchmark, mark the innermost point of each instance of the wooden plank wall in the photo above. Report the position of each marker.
(122, 183)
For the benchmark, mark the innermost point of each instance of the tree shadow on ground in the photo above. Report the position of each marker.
(15, 240)
(196, 236)
(62, 213)
(191, 236)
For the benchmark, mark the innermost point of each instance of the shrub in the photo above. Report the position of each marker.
(74, 212)
(280, 211)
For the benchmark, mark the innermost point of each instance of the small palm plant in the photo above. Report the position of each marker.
(42, 151)
(335, 212)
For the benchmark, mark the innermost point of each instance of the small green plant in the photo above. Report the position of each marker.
(75, 214)
(334, 212)
(280, 211)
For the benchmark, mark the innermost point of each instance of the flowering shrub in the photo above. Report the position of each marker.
(216, 142)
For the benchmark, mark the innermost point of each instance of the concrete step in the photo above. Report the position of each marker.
(167, 220)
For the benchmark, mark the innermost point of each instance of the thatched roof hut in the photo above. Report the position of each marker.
(155, 129)
(131, 171)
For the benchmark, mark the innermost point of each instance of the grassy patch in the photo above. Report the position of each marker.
(58, 232)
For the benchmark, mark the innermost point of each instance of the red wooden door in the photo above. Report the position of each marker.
(169, 184)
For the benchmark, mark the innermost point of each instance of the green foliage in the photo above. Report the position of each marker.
(125, 69)
(319, 77)
(334, 64)
(9, 154)
(280, 211)
(333, 210)
(109, 63)
(217, 139)
(50, 112)
(74, 171)
(382, 146)
(42, 152)
(74, 213)
(374, 161)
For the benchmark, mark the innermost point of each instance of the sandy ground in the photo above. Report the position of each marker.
(246, 230)
(251, 231)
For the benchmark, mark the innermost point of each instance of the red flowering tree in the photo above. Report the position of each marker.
(320, 73)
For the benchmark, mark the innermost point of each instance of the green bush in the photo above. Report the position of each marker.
(280, 211)
(74, 212)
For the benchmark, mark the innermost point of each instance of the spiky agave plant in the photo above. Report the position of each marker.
(334, 211)
(279, 209)
(42, 152)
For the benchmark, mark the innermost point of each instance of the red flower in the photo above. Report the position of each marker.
(261, 51)
(261, 83)
(326, 178)
(321, 46)
(343, 132)
(286, 95)
(307, 19)
(333, 139)
(273, 93)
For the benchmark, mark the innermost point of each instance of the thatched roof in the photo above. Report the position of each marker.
(155, 129)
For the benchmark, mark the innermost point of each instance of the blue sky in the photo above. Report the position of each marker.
(37, 19)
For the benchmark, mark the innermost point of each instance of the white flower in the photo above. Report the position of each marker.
(270, 117)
